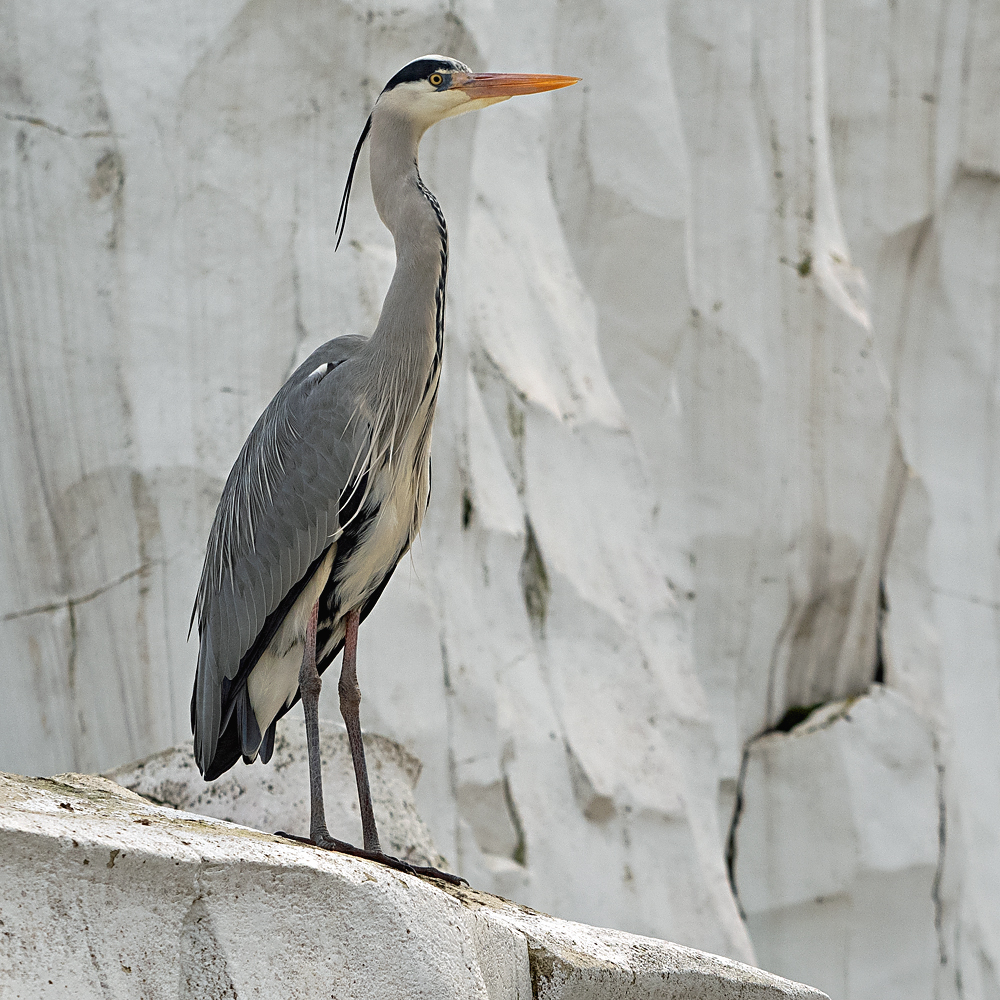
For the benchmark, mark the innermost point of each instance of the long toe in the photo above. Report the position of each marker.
(323, 840)
(437, 873)
(404, 866)
(329, 843)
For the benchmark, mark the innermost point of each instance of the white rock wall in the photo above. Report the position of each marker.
(716, 440)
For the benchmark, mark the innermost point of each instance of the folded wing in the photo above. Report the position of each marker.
(279, 513)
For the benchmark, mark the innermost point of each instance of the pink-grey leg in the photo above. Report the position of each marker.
(310, 685)
(350, 704)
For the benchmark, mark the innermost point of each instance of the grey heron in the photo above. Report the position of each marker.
(330, 487)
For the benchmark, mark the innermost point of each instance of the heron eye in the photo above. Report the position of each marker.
(436, 79)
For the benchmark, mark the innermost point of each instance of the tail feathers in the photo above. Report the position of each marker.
(240, 737)
(227, 752)
(267, 747)
(249, 730)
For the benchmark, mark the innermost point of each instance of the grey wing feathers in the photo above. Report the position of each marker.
(278, 512)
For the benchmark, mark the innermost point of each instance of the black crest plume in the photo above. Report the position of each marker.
(342, 214)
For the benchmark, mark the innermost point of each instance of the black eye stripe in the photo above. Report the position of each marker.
(422, 69)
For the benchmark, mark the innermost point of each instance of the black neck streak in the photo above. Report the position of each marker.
(439, 294)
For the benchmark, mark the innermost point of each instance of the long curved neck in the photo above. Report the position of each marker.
(408, 339)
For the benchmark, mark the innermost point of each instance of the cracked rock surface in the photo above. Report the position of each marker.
(103, 893)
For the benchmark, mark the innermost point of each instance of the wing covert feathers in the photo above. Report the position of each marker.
(278, 513)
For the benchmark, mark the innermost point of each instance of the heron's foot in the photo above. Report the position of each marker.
(328, 843)
(320, 839)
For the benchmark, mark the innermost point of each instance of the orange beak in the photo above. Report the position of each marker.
(480, 85)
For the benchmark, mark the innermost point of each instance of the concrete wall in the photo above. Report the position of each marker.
(716, 438)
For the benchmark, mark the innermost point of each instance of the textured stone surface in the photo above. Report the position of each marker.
(275, 796)
(718, 426)
(102, 893)
(853, 859)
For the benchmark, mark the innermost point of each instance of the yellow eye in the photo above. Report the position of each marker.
(436, 79)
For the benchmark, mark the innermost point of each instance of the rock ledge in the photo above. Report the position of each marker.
(103, 893)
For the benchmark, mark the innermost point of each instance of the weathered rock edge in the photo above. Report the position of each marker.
(104, 893)
(275, 795)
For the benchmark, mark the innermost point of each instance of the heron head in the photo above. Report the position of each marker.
(435, 87)
(432, 88)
